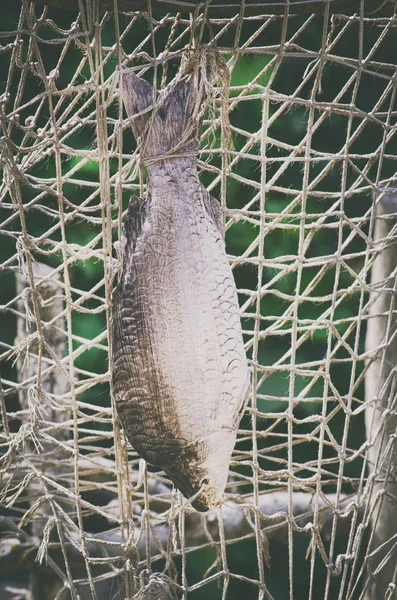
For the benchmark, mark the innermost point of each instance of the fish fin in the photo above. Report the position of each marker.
(214, 210)
(183, 107)
(137, 97)
(243, 403)
(136, 215)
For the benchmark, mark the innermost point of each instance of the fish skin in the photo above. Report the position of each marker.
(180, 377)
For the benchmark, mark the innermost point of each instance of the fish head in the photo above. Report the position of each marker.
(201, 470)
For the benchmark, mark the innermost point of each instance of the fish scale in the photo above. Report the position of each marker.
(179, 371)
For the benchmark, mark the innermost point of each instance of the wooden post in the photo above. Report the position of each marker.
(380, 394)
(43, 402)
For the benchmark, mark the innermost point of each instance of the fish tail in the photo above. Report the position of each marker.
(166, 125)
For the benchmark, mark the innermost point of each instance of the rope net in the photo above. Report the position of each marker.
(308, 196)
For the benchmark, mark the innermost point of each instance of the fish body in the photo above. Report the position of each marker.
(179, 370)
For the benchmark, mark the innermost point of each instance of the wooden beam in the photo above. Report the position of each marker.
(18, 550)
(227, 8)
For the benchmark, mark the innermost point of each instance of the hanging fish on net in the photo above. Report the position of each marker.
(180, 377)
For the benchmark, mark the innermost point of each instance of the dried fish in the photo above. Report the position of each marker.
(179, 371)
